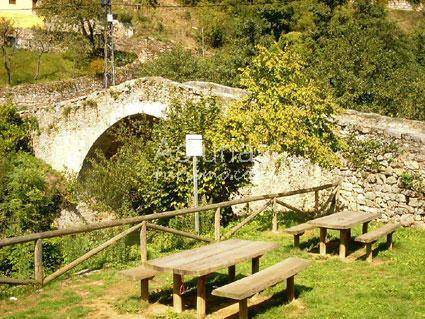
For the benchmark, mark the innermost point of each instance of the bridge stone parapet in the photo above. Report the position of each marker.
(68, 129)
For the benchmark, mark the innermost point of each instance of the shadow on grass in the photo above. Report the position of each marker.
(276, 300)
(214, 303)
(376, 250)
(165, 296)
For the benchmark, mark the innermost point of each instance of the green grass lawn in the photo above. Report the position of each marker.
(393, 286)
(54, 66)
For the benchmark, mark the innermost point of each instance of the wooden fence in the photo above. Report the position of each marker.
(144, 223)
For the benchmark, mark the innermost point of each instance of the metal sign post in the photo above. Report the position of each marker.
(194, 148)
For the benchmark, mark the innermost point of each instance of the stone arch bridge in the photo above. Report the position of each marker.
(69, 130)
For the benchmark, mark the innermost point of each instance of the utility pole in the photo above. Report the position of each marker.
(202, 39)
(109, 55)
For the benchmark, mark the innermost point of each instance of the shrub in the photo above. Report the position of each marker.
(151, 173)
(97, 67)
(125, 18)
(31, 194)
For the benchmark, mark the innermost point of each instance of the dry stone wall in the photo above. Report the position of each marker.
(391, 181)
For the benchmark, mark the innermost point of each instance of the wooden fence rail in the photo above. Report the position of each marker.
(142, 223)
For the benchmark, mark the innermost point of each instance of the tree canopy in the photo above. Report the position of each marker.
(284, 112)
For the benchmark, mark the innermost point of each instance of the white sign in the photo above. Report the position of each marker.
(194, 145)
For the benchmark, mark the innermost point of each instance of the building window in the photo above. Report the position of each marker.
(12, 1)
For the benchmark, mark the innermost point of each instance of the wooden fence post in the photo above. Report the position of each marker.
(143, 242)
(217, 218)
(38, 262)
(274, 222)
(316, 201)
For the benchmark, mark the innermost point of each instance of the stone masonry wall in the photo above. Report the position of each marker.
(379, 186)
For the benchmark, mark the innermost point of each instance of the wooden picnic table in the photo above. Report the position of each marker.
(207, 259)
(344, 222)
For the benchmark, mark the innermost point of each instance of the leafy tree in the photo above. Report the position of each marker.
(284, 111)
(42, 41)
(151, 173)
(8, 34)
(31, 194)
(83, 15)
(368, 63)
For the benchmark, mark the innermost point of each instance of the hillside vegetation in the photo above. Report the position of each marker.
(369, 59)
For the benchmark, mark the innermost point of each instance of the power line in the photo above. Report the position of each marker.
(139, 6)
(109, 48)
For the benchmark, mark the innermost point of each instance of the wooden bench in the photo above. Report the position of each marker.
(373, 236)
(244, 288)
(298, 231)
(144, 275)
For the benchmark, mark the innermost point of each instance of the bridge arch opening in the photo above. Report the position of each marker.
(112, 139)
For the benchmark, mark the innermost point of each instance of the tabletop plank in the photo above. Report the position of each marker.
(210, 258)
(192, 255)
(343, 220)
(226, 259)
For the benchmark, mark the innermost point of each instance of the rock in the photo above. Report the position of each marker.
(371, 178)
(420, 225)
(388, 171)
(370, 195)
(395, 189)
(401, 198)
(413, 165)
(391, 180)
(386, 188)
(415, 202)
(401, 211)
(407, 220)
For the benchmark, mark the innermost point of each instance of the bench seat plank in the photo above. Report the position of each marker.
(259, 281)
(374, 235)
(299, 229)
(139, 273)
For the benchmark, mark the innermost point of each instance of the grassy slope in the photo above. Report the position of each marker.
(53, 67)
(392, 287)
(408, 21)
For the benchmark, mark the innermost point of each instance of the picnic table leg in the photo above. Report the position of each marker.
(323, 232)
(364, 228)
(297, 240)
(243, 309)
(232, 273)
(255, 266)
(290, 288)
(390, 241)
(369, 252)
(343, 242)
(144, 289)
(177, 297)
(201, 299)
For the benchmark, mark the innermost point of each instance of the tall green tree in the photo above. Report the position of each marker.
(369, 63)
(284, 111)
(85, 16)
